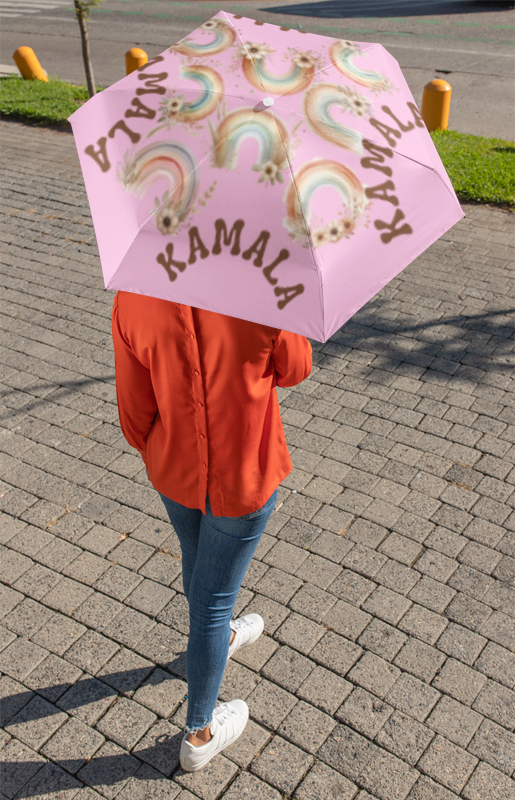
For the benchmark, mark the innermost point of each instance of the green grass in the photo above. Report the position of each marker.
(481, 170)
(39, 102)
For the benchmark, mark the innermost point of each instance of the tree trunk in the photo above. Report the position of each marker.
(86, 55)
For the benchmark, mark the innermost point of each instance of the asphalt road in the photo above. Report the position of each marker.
(470, 44)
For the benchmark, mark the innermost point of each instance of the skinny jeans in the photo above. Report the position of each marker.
(216, 553)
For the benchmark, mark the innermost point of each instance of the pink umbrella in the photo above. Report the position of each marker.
(264, 173)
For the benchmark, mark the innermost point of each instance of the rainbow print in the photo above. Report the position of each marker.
(173, 109)
(267, 129)
(316, 175)
(299, 75)
(342, 54)
(224, 36)
(318, 101)
(169, 161)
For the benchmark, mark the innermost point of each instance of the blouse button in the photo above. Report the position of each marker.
(196, 372)
(202, 436)
(192, 336)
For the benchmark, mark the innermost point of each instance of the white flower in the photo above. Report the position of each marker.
(269, 172)
(319, 237)
(167, 221)
(348, 45)
(303, 60)
(210, 25)
(254, 51)
(358, 104)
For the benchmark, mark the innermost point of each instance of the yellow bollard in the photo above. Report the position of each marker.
(436, 102)
(27, 62)
(134, 58)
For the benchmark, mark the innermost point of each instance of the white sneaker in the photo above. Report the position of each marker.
(229, 720)
(246, 630)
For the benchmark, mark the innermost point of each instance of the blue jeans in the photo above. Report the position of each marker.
(216, 553)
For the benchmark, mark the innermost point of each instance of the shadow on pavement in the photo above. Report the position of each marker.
(345, 9)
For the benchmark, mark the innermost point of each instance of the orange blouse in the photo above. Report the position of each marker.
(196, 397)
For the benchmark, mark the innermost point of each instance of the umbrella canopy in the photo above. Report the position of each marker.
(269, 174)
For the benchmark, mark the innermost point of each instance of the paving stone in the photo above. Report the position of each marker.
(447, 764)
(87, 568)
(165, 647)
(117, 582)
(129, 627)
(432, 594)
(125, 671)
(318, 571)
(98, 610)
(288, 668)
(238, 681)
(467, 611)
(336, 653)
(348, 752)
(248, 787)
(126, 722)
(454, 721)
(364, 712)
(324, 783)
(27, 618)
(427, 789)
(500, 628)
(160, 747)
(286, 557)
(298, 532)
(22, 763)
(9, 599)
(91, 652)
(306, 727)
(351, 587)
(388, 777)
(498, 703)
(404, 737)
(13, 696)
(278, 585)
(269, 704)
(99, 539)
(272, 613)
(374, 674)
(364, 560)
(58, 554)
(346, 620)
(211, 780)
(382, 639)
(256, 655)
(36, 722)
(461, 643)
(108, 770)
(58, 634)
(72, 745)
(20, 658)
(366, 533)
(248, 746)
(397, 577)
(52, 678)
(412, 696)
(420, 659)
(460, 681)
(37, 581)
(150, 597)
(494, 744)
(282, 764)
(497, 663)
(67, 596)
(300, 633)
(51, 780)
(489, 780)
(147, 784)
(423, 624)
(88, 699)
(324, 689)
(161, 693)
(387, 605)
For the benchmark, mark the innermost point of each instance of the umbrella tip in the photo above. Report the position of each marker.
(267, 102)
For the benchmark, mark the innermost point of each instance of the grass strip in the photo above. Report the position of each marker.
(481, 170)
(39, 102)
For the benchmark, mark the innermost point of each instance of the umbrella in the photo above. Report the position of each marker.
(269, 174)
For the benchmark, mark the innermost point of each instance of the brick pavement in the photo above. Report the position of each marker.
(385, 578)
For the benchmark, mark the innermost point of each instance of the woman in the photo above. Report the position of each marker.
(196, 397)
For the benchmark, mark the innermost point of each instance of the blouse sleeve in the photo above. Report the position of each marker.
(292, 358)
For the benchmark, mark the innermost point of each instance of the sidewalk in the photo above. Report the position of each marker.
(386, 577)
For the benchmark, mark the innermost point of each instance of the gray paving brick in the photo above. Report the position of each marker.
(427, 789)
(447, 764)
(160, 747)
(460, 681)
(35, 723)
(324, 689)
(489, 780)
(388, 777)
(21, 657)
(364, 560)
(324, 783)
(404, 737)
(13, 697)
(352, 587)
(58, 634)
(387, 605)
(461, 643)
(419, 659)
(454, 721)
(364, 712)
(109, 770)
(27, 618)
(306, 727)
(282, 764)
(382, 639)
(498, 663)
(348, 752)
(498, 703)
(161, 693)
(310, 601)
(247, 785)
(346, 620)
(23, 763)
(412, 696)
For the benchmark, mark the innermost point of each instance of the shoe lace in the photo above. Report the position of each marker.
(223, 713)
(239, 624)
